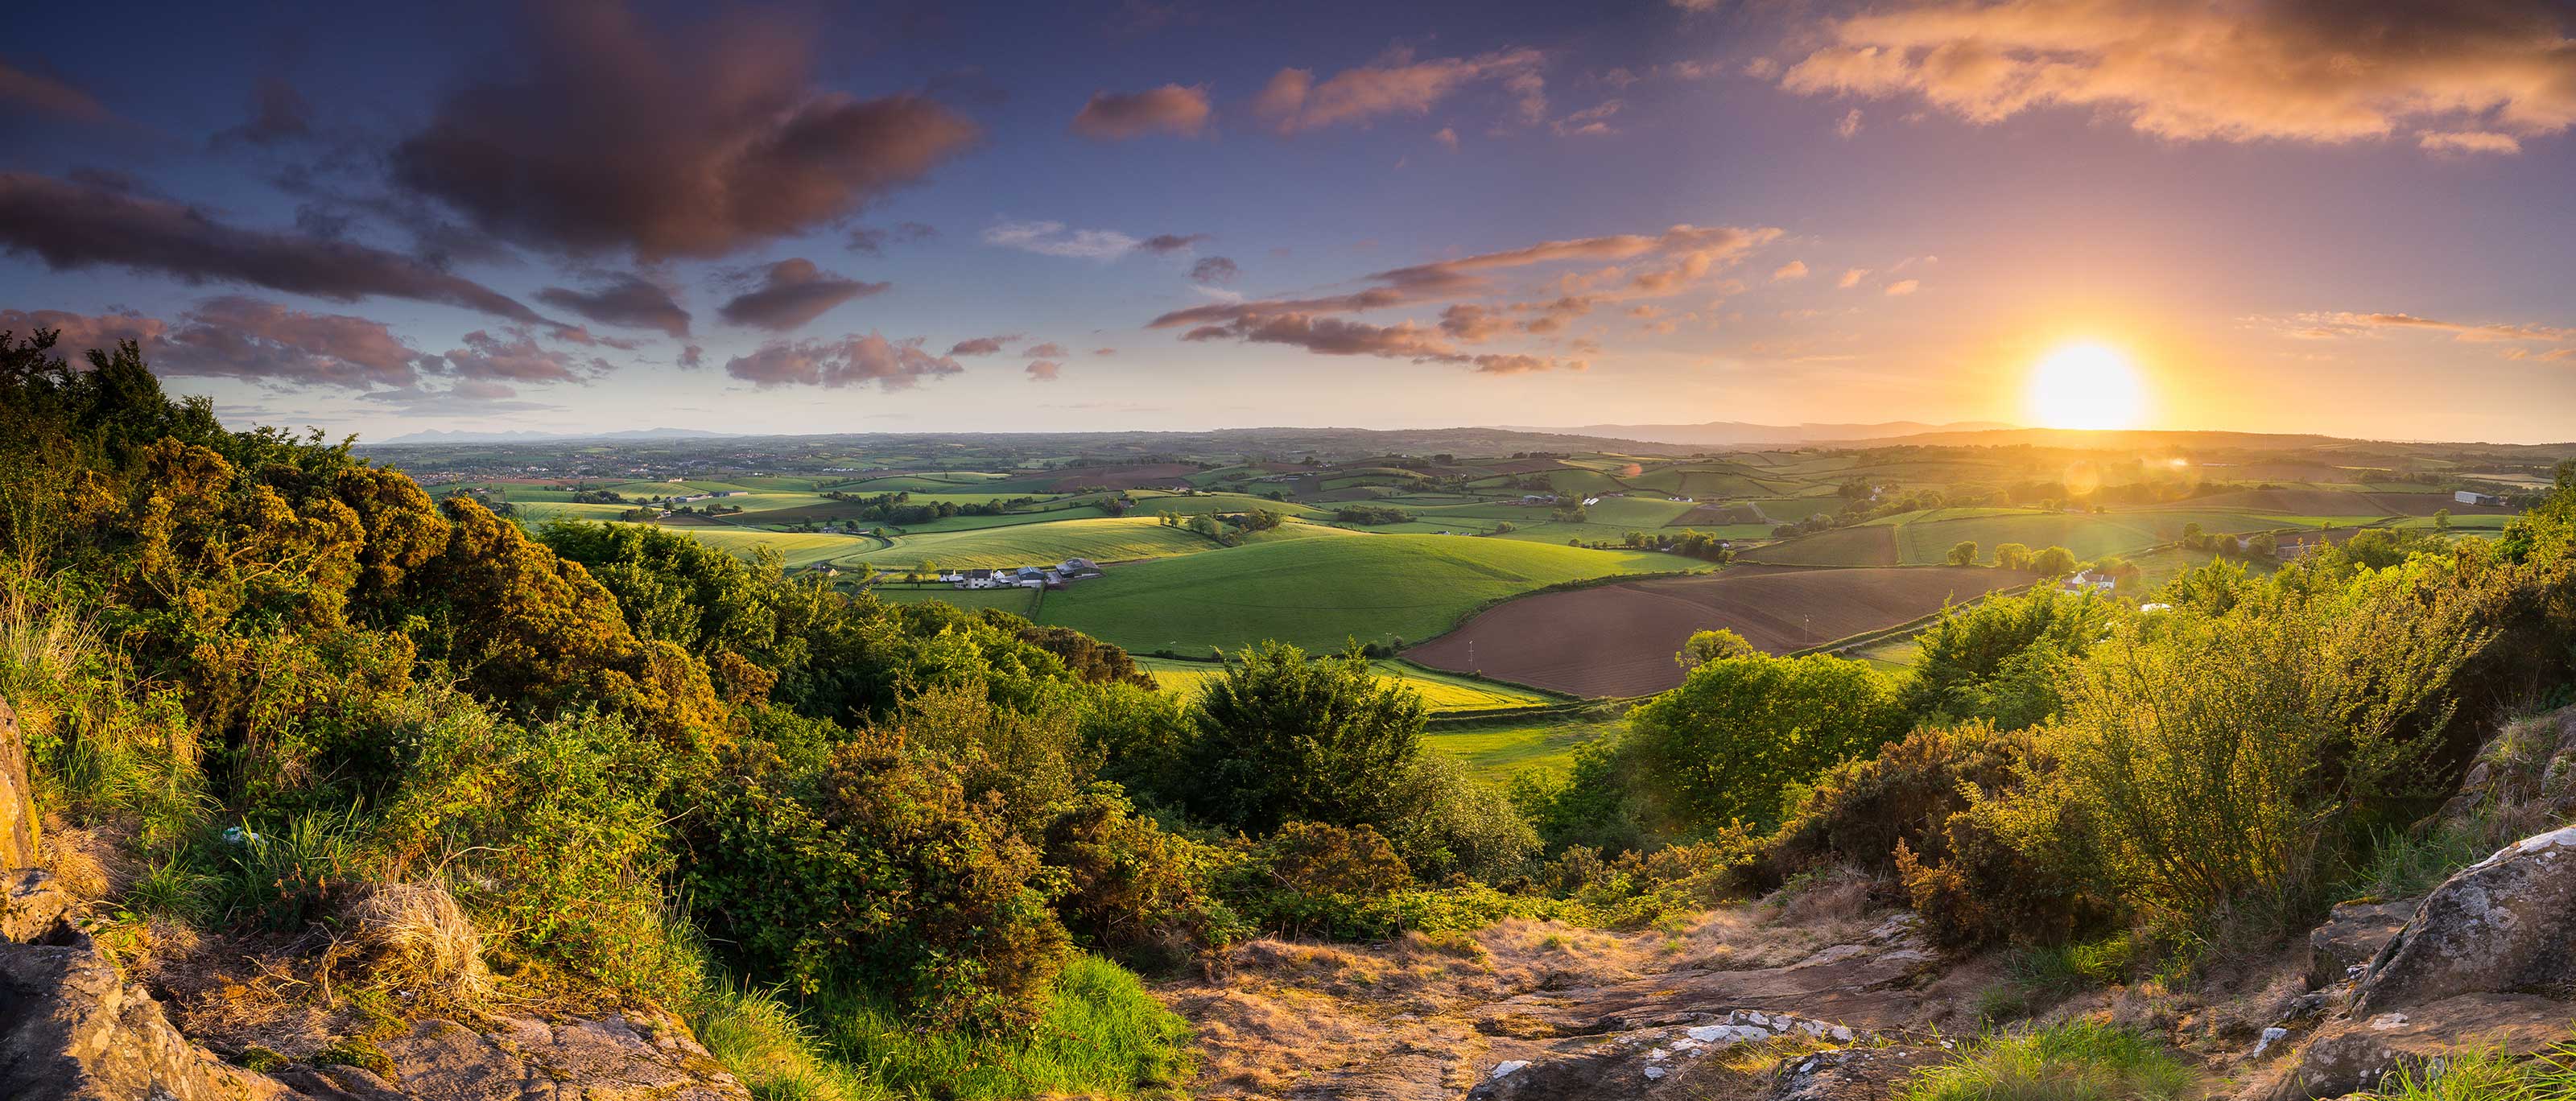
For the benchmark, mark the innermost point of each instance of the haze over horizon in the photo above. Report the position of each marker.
(2349, 219)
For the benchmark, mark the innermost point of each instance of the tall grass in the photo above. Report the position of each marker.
(1102, 1035)
(2488, 1076)
(2078, 1061)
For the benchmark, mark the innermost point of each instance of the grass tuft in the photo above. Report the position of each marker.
(2078, 1061)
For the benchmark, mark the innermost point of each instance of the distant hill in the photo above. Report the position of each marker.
(1740, 434)
(434, 436)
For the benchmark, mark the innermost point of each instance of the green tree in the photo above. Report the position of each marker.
(2001, 659)
(2053, 562)
(1739, 731)
(2012, 556)
(1962, 553)
(2442, 519)
(1708, 646)
(1282, 738)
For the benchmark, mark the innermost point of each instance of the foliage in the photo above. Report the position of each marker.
(1707, 646)
(2077, 1061)
(1282, 738)
(2000, 659)
(1730, 742)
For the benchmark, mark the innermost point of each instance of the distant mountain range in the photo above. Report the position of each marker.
(434, 436)
(1739, 434)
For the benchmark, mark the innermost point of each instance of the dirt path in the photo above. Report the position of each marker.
(1538, 1010)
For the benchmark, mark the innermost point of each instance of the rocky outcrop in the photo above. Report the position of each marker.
(1862, 984)
(2504, 925)
(2528, 770)
(2487, 962)
(72, 1027)
(1630, 1063)
(2352, 936)
(642, 1057)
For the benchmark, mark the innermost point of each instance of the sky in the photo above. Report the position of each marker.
(2355, 217)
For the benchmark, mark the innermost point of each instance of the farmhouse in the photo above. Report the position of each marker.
(2099, 581)
(1538, 498)
(2471, 497)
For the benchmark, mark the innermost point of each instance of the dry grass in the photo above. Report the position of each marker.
(417, 942)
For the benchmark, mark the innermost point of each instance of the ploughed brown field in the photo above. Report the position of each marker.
(1619, 640)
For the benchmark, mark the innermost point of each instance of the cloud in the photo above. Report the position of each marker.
(1589, 122)
(1851, 278)
(514, 356)
(1043, 370)
(1049, 350)
(278, 114)
(2344, 323)
(835, 364)
(1335, 336)
(1216, 270)
(791, 293)
(1170, 109)
(1293, 102)
(1447, 137)
(695, 143)
(48, 96)
(692, 357)
(1903, 287)
(1850, 124)
(1794, 269)
(70, 226)
(461, 397)
(2295, 70)
(2471, 141)
(874, 241)
(1104, 351)
(981, 346)
(1052, 239)
(233, 336)
(628, 300)
(1164, 244)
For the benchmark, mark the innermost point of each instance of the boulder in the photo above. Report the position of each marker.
(72, 1027)
(32, 904)
(17, 799)
(2359, 1053)
(2504, 925)
(2352, 936)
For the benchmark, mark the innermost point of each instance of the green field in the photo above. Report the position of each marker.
(1496, 749)
(1099, 538)
(796, 548)
(1441, 692)
(1015, 601)
(1318, 592)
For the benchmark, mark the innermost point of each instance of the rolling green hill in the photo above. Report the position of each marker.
(1318, 592)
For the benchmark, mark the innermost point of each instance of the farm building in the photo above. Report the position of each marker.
(1538, 498)
(2099, 581)
(2472, 497)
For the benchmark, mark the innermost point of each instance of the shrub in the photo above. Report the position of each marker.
(1456, 825)
(2000, 659)
(881, 875)
(1730, 741)
(1132, 886)
(1281, 738)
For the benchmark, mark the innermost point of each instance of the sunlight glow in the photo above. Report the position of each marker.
(2085, 385)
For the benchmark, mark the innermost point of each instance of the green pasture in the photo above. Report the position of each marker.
(1441, 692)
(1496, 749)
(1317, 592)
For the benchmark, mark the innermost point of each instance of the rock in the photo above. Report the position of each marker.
(1621, 1065)
(2504, 925)
(32, 905)
(2529, 765)
(2352, 936)
(1865, 987)
(2357, 1054)
(72, 1027)
(17, 799)
(1853, 1074)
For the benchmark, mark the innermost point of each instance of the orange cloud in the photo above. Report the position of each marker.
(2191, 70)
(1293, 101)
(1170, 109)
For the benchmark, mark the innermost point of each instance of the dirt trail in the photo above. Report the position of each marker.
(1537, 1010)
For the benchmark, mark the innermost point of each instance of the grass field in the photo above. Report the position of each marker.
(1100, 538)
(1441, 692)
(1318, 592)
(798, 549)
(1496, 749)
(1015, 601)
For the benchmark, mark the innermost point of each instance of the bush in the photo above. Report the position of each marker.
(1456, 825)
(1281, 738)
(2000, 659)
(1132, 887)
(881, 875)
(1730, 741)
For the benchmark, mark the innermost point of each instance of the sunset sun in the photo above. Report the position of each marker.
(2085, 385)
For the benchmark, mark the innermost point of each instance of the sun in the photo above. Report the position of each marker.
(2085, 385)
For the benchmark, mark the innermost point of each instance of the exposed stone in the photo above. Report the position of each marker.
(2504, 925)
(1619, 1065)
(72, 1027)
(32, 905)
(2359, 1053)
(1853, 1074)
(2529, 766)
(2352, 936)
(1863, 986)
(17, 799)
